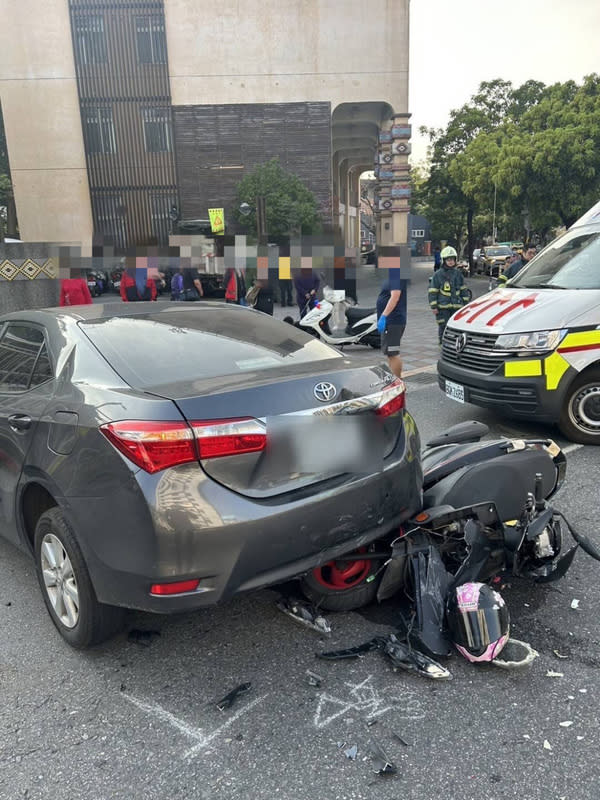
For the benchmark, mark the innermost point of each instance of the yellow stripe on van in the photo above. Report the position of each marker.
(580, 339)
(555, 367)
(522, 369)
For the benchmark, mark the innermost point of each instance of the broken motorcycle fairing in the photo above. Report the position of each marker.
(485, 511)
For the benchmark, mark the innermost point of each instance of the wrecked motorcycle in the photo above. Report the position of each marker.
(485, 513)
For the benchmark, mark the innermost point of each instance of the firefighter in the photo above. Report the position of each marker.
(447, 290)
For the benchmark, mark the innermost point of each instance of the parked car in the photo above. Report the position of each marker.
(164, 458)
(491, 260)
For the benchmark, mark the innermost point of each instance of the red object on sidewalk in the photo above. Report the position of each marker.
(74, 292)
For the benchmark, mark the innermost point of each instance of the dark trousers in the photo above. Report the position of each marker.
(285, 292)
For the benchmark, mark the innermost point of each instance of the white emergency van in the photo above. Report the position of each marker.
(532, 349)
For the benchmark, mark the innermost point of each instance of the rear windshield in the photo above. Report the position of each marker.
(498, 251)
(570, 262)
(199, 343)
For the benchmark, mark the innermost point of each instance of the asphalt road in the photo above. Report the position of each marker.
(133, 721)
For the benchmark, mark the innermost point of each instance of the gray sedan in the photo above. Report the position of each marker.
(165, 458)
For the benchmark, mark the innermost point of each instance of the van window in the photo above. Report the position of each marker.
(571, 262)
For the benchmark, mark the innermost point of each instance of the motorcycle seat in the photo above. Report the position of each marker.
(355, 314)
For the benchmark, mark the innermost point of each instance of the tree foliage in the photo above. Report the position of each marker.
(534, 149)
(289, 205)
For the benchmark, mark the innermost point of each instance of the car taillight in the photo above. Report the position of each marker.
(229, 437)
(179, 587)
(152, 445)
(392, 399)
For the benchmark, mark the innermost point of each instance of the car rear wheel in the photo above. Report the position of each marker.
(66, 586)
(580, 418)
(343, 585)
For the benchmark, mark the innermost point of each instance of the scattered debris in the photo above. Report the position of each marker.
(351, 752)
(143, 638)
(371, 722)
(552, 674)
(580, 738)
(583, 691)
(565, 724)
(401, 654)
(547, 745)
(575, 603)
(304, 614)
(559, 655)
(229, 699)
(314, 679)
(400, 739)
(8, 604)
(382, 764)
(515, 654)
(570, 697)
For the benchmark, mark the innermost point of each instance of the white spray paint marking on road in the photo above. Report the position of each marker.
(365, 698)
(202, 739)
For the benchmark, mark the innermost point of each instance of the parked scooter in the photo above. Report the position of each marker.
(361, 323)
(485, 512)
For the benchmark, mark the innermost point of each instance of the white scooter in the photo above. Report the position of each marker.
(361, 323)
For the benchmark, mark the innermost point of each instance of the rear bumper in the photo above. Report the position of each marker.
(180, 524)
(518, 397)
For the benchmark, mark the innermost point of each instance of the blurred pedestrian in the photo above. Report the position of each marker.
(136, 286)
(391, 318)
(74, 292)
(235, 286)
(437, 259)
(306, 283)
(192, 285)
(517, 265)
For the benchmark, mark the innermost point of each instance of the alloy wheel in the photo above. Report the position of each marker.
(59, 580)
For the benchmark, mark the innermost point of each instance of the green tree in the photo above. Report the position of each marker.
(289, 205)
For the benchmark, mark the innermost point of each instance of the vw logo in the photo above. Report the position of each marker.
(460, 342)
(324, 391)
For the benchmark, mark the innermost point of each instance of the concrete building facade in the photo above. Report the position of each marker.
(117, 113)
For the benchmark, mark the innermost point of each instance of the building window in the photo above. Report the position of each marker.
(109, 219)
(151, 41)
(418, 234)
(162, 221)
(99, 129)
(90, 40)
(157, 130)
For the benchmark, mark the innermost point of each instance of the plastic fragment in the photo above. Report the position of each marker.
(552, 674)
(565, 724)
(515, 654)
(526, 736)
(400, 739)
(382, 764)
(547, 745)
(403, 656)
(351, 752)
(570, 697)
(304, 614)
(559, 655)
(575, 603)
(583, 691)
(230, 698)
(580, 738)
(313, 679)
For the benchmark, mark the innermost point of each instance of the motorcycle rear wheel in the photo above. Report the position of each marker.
(343, 585)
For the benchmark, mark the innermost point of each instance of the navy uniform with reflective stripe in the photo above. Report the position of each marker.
(447, 292)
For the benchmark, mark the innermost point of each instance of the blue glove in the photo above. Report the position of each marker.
(381, 323)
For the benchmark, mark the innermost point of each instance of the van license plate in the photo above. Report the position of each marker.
(455, 391)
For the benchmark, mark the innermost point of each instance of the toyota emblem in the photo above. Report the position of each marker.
(460, 342)
(324, 391)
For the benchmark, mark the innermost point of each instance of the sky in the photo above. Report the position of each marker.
(457, 44)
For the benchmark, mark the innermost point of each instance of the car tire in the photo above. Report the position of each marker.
(66, 586)
(580, 417)
(343, 586)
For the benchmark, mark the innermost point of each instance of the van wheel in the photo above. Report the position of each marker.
(343, 585)
(580, 417)
(66, 586)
